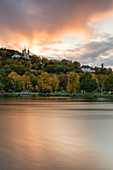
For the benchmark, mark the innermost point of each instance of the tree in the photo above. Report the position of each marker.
(101, 79)
(9, 84)
(34, 66)
(3, 75)
(59, 69)
(108, 83)
(20, 69)
(55, 82)
(44, 81)
(73, 82)
(26, 82)
(45, 61)
(13, 75)
(88, 82)
(17, 81)
(1, 86)
(36, 88)
(66, 62)
(76, 64)
(35, 59)
(33, 80)
(63, 78)
(28, 65)
(50, 68)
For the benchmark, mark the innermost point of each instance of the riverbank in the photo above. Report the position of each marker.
(83, 95)
(18, 94)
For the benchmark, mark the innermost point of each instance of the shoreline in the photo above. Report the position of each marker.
(74, 95)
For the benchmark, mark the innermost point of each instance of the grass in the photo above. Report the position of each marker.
(83, 95)
(76, 94)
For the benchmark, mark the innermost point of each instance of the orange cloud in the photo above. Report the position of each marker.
(48, 18)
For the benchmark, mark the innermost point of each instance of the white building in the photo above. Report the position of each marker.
(16, 55)
(86, 68)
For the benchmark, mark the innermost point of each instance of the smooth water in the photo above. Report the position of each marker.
(56, 134)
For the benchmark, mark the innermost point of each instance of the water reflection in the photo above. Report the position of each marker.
(59, 134)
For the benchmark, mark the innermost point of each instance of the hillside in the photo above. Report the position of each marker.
(44, 75)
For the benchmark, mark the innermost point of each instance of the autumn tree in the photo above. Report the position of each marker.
(17, 81)
(73, 82)
(44, 81)
(63, 79)
(55, 82)
(26, 82)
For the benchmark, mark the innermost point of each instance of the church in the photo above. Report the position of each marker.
(25, 54)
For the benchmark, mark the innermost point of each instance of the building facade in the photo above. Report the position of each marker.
(25, 54)
(86, 68)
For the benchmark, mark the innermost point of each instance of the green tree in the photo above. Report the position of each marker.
(66, 62)
(88, 82)
(76, 64)
(1, 86)
(59, 69)
(108, 83)
(50, 69)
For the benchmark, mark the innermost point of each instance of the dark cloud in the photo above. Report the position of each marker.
(49, 16)
(96, 52)
(44, 19)
(95, 49)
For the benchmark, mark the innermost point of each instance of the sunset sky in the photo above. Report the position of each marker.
(80, 30)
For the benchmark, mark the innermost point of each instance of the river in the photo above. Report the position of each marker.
(56, 134)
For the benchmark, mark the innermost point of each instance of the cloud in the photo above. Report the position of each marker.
(97, 49)
(92, 52)
(43, 22)
(52, 17)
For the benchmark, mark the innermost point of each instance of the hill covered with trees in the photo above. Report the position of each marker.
(39, 74)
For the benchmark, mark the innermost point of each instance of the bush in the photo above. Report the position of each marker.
(47, 90)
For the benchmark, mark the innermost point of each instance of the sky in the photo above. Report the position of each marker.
(78, 30)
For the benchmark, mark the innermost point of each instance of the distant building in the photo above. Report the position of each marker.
(24, 54)
(16, 55)
(86, 68)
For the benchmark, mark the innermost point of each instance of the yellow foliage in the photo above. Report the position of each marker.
(94, 77)
(13, 75)
(36, 88)
(45, 78)
(73, 82)
(55, 82)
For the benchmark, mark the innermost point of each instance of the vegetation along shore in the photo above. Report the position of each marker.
(39, 76)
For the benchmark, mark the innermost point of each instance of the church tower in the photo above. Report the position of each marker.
(28, 52)
(25, 53)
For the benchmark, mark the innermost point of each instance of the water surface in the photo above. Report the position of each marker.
(56, 134)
